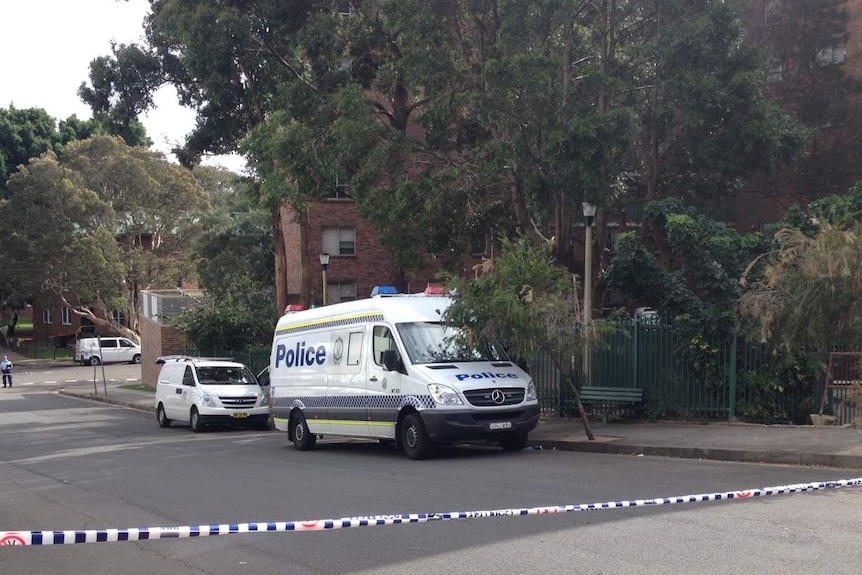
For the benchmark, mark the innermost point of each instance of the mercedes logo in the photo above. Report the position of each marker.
(498, 396)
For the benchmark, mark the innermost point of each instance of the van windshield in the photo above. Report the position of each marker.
(225, 375)
(433, 342)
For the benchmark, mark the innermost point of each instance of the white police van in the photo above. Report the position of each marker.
(388, 368)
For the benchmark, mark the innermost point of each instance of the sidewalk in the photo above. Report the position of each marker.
(785, 444)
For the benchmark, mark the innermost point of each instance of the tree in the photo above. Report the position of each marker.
(24, 134)
(524, 301)
(112, 220)
(804, 293)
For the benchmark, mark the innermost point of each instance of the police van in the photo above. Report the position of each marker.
(388, 368)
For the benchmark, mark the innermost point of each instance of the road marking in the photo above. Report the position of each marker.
(54, 381)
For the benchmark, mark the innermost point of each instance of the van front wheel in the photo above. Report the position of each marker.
(414, 439)
(195, 421)
(303, 439)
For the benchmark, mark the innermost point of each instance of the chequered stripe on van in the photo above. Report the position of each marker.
(358, 401)
(336, 322)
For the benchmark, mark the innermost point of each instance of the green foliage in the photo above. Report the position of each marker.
(233, 322)
(112, 220)
(522, 299)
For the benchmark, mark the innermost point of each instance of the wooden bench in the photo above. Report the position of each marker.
(607, 397)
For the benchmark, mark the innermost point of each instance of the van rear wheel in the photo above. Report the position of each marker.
(414, 439)
(163, 418)
(303, 439)
(95, 360)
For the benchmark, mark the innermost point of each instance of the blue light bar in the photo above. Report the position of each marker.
(384, 290)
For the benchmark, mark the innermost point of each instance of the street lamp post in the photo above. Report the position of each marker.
(589, 215)
(324, 262)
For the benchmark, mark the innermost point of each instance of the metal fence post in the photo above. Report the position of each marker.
(731, 411)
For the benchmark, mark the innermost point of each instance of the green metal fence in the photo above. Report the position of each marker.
(683, 377)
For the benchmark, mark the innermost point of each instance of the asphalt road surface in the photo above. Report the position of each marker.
(69, 464)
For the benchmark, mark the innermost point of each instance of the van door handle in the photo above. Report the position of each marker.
(178, 391)
(373, 378)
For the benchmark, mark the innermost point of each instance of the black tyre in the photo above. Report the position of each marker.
(94, 360)
(303, 439)
(163, 419)
(514, 443)
(195, 420)
(137, 358)
(414, 439)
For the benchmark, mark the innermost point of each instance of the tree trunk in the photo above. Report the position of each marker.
(281, 296)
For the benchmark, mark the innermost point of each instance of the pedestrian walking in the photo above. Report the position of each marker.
(6, 369)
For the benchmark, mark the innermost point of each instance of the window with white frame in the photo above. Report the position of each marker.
(832, 55)
(342, 291)
(775, 73)
(46, 316)
(341, 190)
(118, 316)
(339, 241)
(65, 315)
(344, 8)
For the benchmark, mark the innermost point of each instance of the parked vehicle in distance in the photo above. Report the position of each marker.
(206, 391)
(97, 350)
(388, 368)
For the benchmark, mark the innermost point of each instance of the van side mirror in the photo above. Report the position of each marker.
(390, 360)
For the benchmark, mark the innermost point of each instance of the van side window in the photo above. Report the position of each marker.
(109, 343)
(354, 347)
(125, 343)
(383, 340)
(188, 378)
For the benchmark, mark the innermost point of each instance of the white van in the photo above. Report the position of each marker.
(387, 368)
(96, 350)
(199, 392)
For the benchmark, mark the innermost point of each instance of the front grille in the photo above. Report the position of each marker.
(482, 397)
(238, 402)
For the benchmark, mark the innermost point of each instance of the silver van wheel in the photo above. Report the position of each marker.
(414, 439)
(303, 439)
(163, 418)
(195, 421)
(95, 360)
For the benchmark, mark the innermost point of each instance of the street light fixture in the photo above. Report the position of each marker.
(324, 262)
(589, 216)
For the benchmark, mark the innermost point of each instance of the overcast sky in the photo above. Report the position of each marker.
(47, 47)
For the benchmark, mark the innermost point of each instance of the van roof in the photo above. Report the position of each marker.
(392, 309)
(198, 361)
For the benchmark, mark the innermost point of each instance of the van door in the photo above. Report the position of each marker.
(170, 391)
(348, 408)
(383, 387)
(110, 350)
(188, 394)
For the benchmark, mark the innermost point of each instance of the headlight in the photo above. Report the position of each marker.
(531, 391)
(208, 400)
(444, 395)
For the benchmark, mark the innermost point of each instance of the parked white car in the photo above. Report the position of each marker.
(200, 391)
(96, 350)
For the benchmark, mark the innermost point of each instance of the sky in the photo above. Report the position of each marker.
(47, 47)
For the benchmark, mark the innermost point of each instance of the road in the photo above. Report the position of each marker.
(70, 464)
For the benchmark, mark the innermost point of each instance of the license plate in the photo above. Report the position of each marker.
(239, 415)
(501, 425)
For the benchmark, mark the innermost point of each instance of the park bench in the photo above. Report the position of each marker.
(608, 397)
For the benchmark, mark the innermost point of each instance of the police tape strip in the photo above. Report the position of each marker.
(12, 538)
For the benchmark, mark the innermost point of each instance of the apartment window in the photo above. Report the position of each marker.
(339, 241)
(344, 8)
(341, 191)
(775, 73)
(338, 292)
(118, 316)
(66, 316)
(46, 316)
(832, 55)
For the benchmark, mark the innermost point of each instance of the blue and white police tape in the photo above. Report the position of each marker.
(149, 533)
